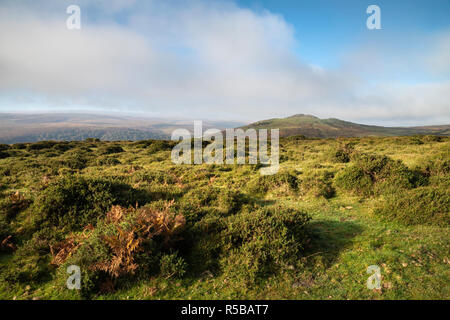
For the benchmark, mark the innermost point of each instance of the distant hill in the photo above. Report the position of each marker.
(311, 126)
(17, 128)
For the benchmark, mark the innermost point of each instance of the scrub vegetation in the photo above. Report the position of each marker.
(141, 227)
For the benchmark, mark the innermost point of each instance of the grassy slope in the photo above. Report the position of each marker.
(347, 237)
(311, 126)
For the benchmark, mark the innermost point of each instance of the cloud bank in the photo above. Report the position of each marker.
(198, 59)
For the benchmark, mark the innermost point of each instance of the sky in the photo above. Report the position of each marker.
(244, 60)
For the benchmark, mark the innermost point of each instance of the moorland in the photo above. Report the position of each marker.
(141, 227)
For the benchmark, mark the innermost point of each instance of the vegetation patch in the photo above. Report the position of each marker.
(122, 244)
(141, 227)
(425, 205)
(73, 202)
(371, 174)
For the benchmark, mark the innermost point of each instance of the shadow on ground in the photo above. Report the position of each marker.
(329, 238)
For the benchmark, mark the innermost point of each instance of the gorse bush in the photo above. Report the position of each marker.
(203, 200)
(439, 165)
(172, 265)
(160, 145)
(262, 242)
(318, 184)
(13, 204)
(111, 149)
(4, 155)
(107, 161)
(111, 250)
(342, 153)
(431, 138)
(76, 161)
(373, 174)
(154, 176)
(262, 184)
(41, 145)
(30, 262)
(73, 202)
(424, 205)
(140, 226)
(230, 201)
(62, 146)
(354, 179)
(247, 246)
(19, 146)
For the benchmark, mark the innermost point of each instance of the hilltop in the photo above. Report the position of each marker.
(311, 126)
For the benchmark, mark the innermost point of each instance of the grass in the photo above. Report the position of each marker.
(345, 233)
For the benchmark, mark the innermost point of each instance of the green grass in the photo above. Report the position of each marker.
(345, 234)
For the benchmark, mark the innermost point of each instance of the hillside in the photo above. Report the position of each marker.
(22, 128)
(311, 126)
(19, 128)
(142, 227)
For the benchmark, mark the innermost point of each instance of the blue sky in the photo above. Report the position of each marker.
(326, 28)
(229, 60)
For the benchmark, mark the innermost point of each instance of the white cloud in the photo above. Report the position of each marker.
(196, 59)
(439, 59)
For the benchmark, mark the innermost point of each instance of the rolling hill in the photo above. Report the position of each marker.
(19, 128)
(311, 126)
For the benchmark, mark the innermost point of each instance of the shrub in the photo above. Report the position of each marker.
(262, 184)
(431, 138)
(111, 149)
(62, 146)
(424, 205)
(76, 161)
(19, 146)
(354, 179)
(438, 165)
(109, 251)
(4, 155)
(30, 263)
(230, 201)
(5, 171)
(41, 145)
(108, 161)
(319, 185)
(159, 145)
(258, 243)
(324, 189)
(13, 204)
(342, 154)
(373, 174)
(171, 265)
(74, 202)
(154, 176)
